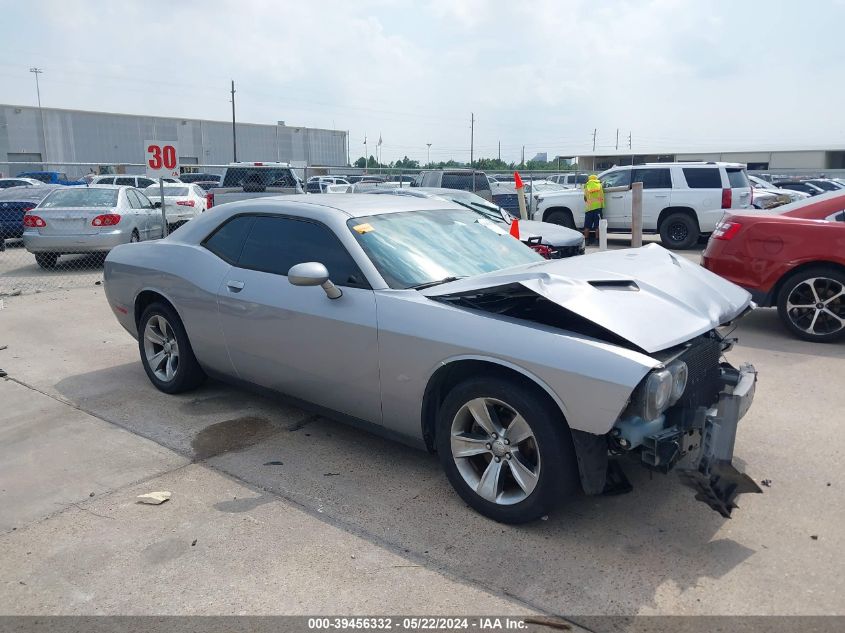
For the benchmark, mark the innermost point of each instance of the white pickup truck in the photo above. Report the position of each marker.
(254, 180)
(681, 201)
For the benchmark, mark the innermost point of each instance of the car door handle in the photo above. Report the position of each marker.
(617, 196)
(235, 286)
(661, 195)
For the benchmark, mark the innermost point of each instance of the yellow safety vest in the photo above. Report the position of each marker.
(593, 195)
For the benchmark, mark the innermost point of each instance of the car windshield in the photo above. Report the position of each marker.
(81, 197)
(420, 247)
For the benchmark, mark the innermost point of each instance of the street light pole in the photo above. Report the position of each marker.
(428, 153)
(37, 71)
(234, 133)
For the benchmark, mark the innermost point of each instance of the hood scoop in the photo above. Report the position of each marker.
(615, 284)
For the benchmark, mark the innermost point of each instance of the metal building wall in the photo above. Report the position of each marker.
(105, 138)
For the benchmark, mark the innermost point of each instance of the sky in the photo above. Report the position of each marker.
(543, 74)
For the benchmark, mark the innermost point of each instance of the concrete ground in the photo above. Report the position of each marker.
(279, 501)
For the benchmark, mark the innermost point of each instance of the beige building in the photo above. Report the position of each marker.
(820, 159)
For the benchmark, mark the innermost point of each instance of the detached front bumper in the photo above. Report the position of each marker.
(697, 443)
(711, 472)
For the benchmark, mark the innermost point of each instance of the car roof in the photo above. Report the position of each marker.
(357, 205)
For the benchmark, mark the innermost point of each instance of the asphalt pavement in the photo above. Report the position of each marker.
(294, 513)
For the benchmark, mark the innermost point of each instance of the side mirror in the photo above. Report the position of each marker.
(157, 204)
(313, 274)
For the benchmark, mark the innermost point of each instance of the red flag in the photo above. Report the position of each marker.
(517, 181)
(515, 228)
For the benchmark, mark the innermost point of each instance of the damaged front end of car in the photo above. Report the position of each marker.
(684, 417)
(683, 413)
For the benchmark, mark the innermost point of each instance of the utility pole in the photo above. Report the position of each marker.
(594, 138)
(37, 71)
(428, 153)
(617, 139)
(366, 154)
(629, 147)
(471, 138)
(348, 157)
(522, 162)
(500, 150)
(234, 133)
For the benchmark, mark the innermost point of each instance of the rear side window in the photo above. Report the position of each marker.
(737, 178)
(228, 240)
(653, 178)
(276, 244)
(703, 177)
(105, 181)
(145, 182)
(125, 181)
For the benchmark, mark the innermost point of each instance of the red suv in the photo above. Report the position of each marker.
(793, 258)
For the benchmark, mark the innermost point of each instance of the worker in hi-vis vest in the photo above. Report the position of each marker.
(594, 204)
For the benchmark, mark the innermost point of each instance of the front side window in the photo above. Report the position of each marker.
(80, 197)
(653, 178)
(125, 181)
(145, 182)
(275, 244)
(418, 247)
(621, 178)
(144, 200)
(105, 181)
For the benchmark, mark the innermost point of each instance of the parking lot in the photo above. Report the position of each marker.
(275, 510)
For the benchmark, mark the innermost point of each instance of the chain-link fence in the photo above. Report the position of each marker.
(56, 228)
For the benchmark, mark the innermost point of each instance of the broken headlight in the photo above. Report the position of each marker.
(652, 397)
(680, 374)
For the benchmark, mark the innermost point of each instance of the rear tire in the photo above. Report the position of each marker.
(47, 261)
(134, 237)
(536, 468)
(679, 231)
(166, 352)
(799, 298)
(562, 218)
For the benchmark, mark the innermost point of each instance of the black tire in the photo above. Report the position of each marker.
(796, 291)
(47, 261)
(134, 238)
(679, 231)
(188, 374)
(562, 218)
(551, 447)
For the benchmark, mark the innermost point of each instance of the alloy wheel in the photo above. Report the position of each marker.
(161, 348)
(817, 306)
(495, 451)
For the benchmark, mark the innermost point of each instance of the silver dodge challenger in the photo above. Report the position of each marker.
(531, 379)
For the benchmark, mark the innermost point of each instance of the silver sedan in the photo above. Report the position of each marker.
(91, 219)
(414, 317)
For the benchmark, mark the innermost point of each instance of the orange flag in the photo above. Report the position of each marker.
(517, 181)
(515, 228)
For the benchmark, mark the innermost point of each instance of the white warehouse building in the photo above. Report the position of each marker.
(107, 139)
(788, 160)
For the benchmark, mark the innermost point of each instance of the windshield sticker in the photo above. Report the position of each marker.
(363, 228)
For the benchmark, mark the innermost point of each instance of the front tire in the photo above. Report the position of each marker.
(679, 231)
(166, 352)
(47, 261)
(811, 304)
(506, 449)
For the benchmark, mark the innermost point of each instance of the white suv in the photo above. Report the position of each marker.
(681, 201)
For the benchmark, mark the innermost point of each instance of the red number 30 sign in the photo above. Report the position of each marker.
(162, 158)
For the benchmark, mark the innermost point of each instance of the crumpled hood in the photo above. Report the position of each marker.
(648, 296)
(552, 234)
